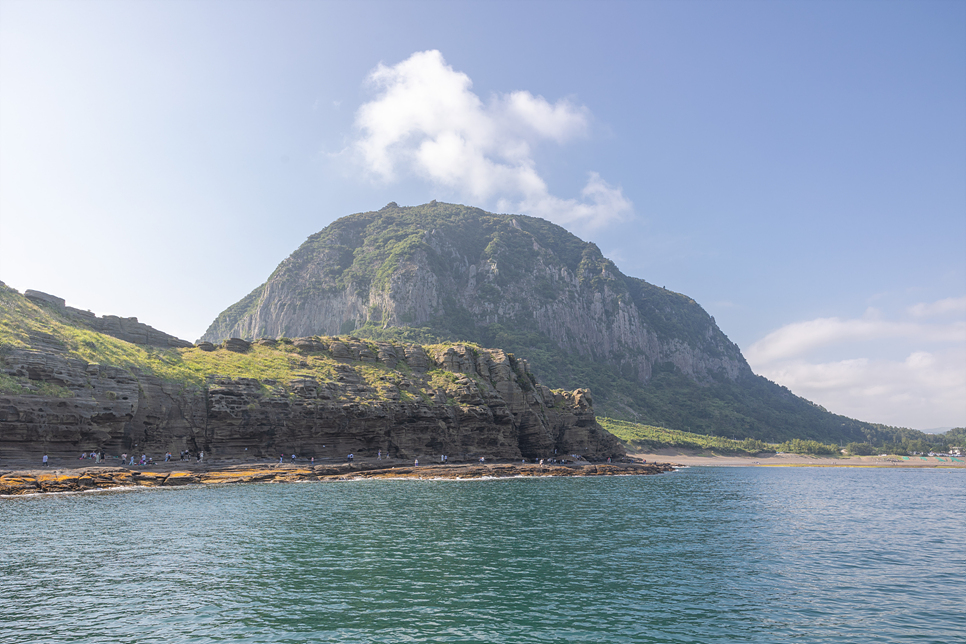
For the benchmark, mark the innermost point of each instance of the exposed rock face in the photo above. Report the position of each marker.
(127, 329)
(484, 402)
(429, 265)
(39, 482)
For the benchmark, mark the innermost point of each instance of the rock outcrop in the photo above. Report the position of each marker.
(406, 401)
(127, 329)
(90, 478)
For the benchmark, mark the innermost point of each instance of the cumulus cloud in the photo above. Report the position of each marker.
(926, 388)
(426, 121)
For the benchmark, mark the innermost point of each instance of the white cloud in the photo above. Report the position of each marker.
(801, 337)
(925, 389)
(426, 121)
(942, 307)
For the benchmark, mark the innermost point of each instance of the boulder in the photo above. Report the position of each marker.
(237, 345)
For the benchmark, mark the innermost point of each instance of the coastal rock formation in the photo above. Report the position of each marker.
(406, 401)
(446, 272)
(127, 329)
(83, 479)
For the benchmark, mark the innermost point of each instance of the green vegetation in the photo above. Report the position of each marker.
(637, 436)
(24, 323)
(905, 442)
(19, 386)
(640, 437)
(366, 252)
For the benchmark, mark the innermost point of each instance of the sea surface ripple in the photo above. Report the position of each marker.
(700, 555)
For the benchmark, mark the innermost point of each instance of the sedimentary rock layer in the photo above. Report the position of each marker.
(403, 400)
(34, 482)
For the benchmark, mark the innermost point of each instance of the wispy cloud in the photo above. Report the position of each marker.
(925, 389)
(799, 338)
(426, 121)
(942, 307)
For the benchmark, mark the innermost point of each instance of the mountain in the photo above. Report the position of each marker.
(446, 272)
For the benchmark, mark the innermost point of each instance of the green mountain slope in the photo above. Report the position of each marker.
(444, 272)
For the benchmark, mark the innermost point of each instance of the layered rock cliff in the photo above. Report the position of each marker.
(314, 396)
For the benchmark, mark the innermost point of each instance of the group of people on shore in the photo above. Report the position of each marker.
(131, 460)
(186, 455)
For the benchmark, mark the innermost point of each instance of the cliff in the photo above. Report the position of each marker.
(314, 396)
(466, 272)
(448, 272)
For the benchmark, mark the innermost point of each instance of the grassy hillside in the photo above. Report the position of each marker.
(361, 252)
(25, 325)
(638, 437)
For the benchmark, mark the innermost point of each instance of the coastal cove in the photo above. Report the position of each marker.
(705, 554)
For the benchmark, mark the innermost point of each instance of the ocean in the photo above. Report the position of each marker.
(699, 555)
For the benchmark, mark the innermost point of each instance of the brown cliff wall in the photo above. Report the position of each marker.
(457, 400)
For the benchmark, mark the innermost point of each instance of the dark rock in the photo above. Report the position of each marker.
(237, 345)
(310, 345)
(483, 412)
(45, 298)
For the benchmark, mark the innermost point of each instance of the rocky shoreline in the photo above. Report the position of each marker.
(43, 481)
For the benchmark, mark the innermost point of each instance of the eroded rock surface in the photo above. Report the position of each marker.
(34, 482)
(457, 400)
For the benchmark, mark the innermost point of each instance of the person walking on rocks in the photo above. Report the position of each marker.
(45, 460)
(293, 459)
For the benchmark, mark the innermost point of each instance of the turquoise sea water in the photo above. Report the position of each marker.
(700, 555)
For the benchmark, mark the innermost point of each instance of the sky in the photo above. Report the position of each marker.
(798, 168)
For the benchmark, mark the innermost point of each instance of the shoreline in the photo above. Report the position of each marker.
(696, 458)
(19, 482)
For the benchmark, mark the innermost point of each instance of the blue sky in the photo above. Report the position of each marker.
(798, 168)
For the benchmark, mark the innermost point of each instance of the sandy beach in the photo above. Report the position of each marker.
(694, 458)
